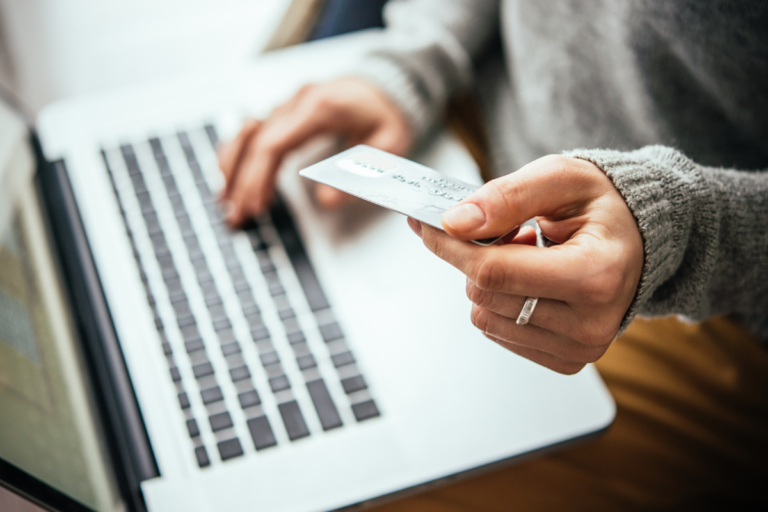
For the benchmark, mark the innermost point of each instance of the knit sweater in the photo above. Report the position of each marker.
(668, 97)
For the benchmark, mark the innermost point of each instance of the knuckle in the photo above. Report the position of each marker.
(490, 274)
(596, 333)
(480, 318)
(476, 295)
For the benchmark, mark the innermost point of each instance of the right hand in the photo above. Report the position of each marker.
(349, 107)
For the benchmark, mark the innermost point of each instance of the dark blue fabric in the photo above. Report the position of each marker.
(342, 16)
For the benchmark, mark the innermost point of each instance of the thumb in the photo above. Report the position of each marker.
(552, 185)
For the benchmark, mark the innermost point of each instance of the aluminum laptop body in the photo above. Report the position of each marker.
(383, 387)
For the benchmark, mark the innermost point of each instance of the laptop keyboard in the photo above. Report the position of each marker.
(252, 295)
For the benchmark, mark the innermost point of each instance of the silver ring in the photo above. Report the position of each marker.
(527, 311)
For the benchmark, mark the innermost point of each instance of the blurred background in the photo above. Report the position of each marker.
(50, 49)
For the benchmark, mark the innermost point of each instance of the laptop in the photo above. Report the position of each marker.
(310, 361)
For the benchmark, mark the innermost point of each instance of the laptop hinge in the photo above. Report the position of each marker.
(126, 434)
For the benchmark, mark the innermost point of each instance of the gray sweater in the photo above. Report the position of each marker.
(673, 92)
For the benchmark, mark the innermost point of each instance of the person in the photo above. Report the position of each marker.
(635, 134)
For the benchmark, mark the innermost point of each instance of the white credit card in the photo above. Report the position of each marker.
(393, 182)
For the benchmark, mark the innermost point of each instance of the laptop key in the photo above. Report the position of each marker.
(211, 395)
(365, 410)
(202, 370)
(261, 432)
(279, 383)
(326, 410)
(259, 333)
(239, 373)
(306, 362)
(296, 337)
(183, 400)
(352, 384)
(202, 457)
(249, 398)
(220, 421)
(331, 332)
(175, 375)
(194, 431)
(194, 344)
(230, 449)
(269, 358)
(293, 420)
(230, 348)
(343, 359)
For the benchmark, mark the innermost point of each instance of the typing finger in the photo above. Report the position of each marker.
(231, 153)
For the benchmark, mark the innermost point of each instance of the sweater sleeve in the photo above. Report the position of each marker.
(705, 234)
(426, 53)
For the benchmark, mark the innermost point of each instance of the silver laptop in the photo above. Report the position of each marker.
(310, 361)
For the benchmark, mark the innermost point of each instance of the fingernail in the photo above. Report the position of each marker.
(465, 217)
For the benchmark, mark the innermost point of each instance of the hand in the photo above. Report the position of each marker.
(349, 107)
(585, 285)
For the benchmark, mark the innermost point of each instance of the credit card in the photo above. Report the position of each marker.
(393, 182)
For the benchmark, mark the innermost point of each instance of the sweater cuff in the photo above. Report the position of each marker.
(652, 192)
(395, 82)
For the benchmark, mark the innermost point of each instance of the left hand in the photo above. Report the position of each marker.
(585, 285)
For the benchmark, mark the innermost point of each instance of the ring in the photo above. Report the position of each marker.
(527, 311)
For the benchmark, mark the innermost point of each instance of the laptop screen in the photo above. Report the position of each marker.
(48, 427)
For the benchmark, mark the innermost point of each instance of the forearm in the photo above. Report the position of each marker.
(704, 231)
(427, 53)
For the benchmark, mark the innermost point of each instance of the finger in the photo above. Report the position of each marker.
(230, 154)
(541, 358)
(253, 189)
(553, 315)
(526, 236)
(535, 337)
(331, 198)
(551, 272)
(548, 186)
(415, 226)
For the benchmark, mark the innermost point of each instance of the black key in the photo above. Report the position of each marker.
(167, 348)
(276, 289)
(220, 421)
(212, 300)
(209, 289)
(230, 348)
(185, 321)
(211, 395)
(352, 384)
(246, 297)
(255, 320)
(287, 313)
(294, 421)
(261, 432)
(343, 359)
(192, 428)
(249, 398)
(257, 242)
(183, 400)
(331, 332)
(190, 332)
(212, 135)
(182, 308)
(205, 280)
(279, 383)
(175, 375)
(326, 410)
(306, 362)
(202, 457)
(217, 312)
(291, 326)
(230, 448)
(267, 266)
(203, 369)
(365, 410)
(242, 286)
(221, 324)
(194, 344)
(173, 285)
(177, 296)
(251, 309)
(259, 333)
(269, 358)
(296, 337)
(226, 336)
(170, 274)
(239, 373)
(159, 324)
(298, 256)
